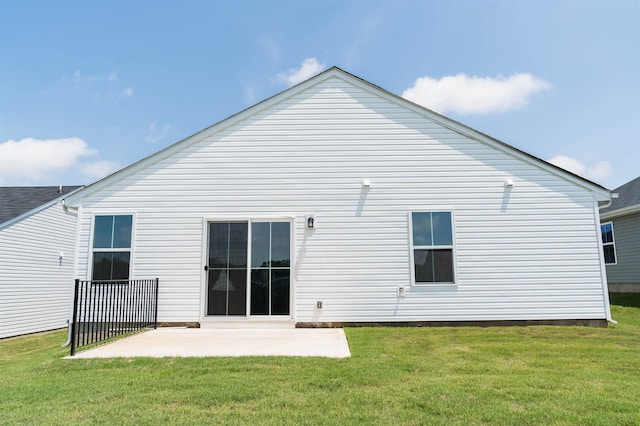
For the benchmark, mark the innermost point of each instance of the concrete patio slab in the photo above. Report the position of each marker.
(194, 342)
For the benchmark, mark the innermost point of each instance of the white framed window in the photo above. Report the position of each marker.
(608, 243)
(111, 247)
(432, 247)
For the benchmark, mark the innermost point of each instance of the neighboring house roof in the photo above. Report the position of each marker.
(628, 200)
(18, 200)
(603, 194)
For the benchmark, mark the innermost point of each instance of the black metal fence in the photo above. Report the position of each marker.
(106, 309)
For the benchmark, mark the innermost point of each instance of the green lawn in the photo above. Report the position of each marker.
(501, 375)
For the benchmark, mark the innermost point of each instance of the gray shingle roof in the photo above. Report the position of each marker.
(628, 195)
(16, 200)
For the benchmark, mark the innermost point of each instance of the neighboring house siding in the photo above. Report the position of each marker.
(530, 252)
(36, 287)
(627, 241)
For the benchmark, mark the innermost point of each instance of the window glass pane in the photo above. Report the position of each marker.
(441, 222)
(609, 254)
(120, 267)
(238, 238)
(111, 265)
(433, 266)
(101, 266)
(237, 294)
(280, 292)
(423, 260)
(102, 231)
(280, 244)
(122, 231)
(260, 292)
(260, 245)
(218, 244)
(217, 294)
(227, 292)
(421, 223)
(607, 233)
(443, 266)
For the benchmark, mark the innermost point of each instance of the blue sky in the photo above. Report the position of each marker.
(89, 87)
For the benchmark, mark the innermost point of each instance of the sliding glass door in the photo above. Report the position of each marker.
(227, 276)
(230, 285)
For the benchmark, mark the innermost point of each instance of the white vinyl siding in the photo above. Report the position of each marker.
(528, 252)
(36, 285)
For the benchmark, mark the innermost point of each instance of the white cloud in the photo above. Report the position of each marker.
(475, 95)
(31, 161)
(99, 169)
(80, 79)
(597, 172)
(154, 134)
(308, 68)
(102, 86)
(50, 161)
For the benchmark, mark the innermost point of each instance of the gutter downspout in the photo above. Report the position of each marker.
(68, 210)
(603, 272)
(606, 205)
(68, 342)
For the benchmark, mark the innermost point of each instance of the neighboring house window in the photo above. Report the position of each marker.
(432, 246)
(608, 243)
(111, 247)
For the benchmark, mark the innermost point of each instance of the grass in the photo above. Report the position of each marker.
(448, 376)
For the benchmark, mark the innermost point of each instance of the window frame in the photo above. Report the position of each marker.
(94, 250)
(452, 247)
(612, 243)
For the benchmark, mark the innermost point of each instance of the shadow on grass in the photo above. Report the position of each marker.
(625, 299)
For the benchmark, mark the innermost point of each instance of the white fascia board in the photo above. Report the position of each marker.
(37, 209)
(620, 212)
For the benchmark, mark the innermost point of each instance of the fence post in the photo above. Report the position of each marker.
(74, 318)
(155, 307)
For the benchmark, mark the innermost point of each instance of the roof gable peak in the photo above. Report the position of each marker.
(336, 72)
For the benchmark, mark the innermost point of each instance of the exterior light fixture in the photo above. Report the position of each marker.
(366, 183)
(508, 182)
(310, 221)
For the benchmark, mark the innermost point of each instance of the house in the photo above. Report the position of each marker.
(336, 202)
(37, 243)
(620, 228)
